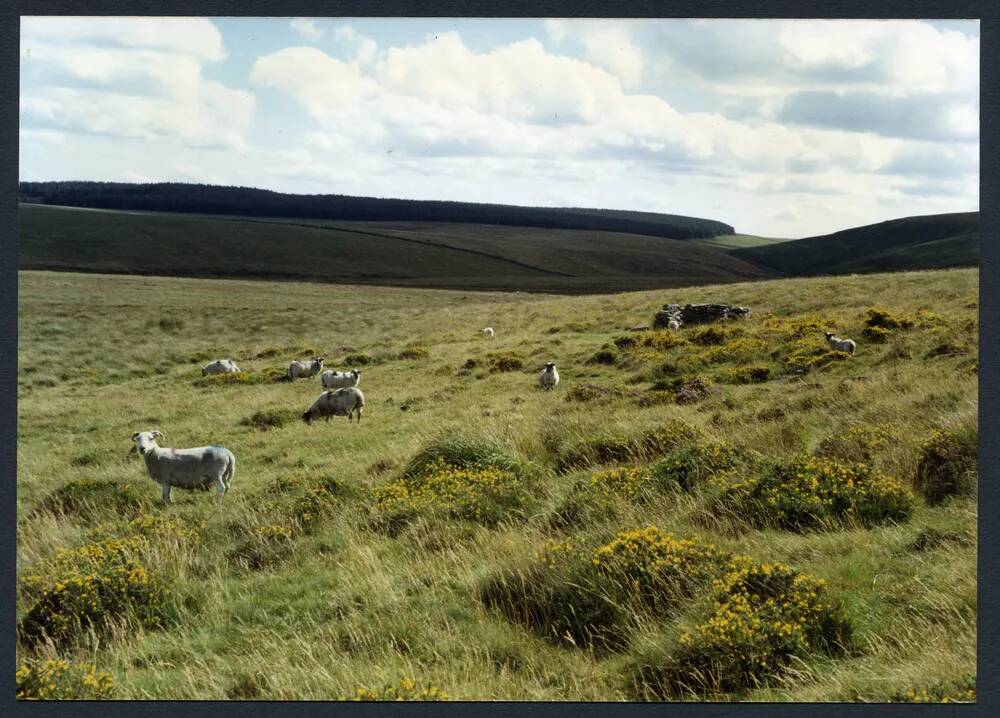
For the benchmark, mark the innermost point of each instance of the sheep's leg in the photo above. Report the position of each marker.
(359, 414)
(220, 488)
(166, 492)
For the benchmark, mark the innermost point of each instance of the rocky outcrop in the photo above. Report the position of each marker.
(697, 314)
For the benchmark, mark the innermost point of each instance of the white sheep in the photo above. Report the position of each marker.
(304, 369)
(199, 468)
(488, 332)
(342, 402)
(220, 366)
(340, 379)
(840, 345)
(549, 377)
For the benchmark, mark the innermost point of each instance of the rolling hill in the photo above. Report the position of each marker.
(418, 254)
(246, 201)
(926, 242)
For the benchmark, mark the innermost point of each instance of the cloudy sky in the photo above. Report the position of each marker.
(780, 128)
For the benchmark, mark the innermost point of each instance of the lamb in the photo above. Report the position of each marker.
(199, 468)
(549, 377)
(340, 379)
(342, 402)
(304, 369)
(220, 366)
(840, 345)
(488, 332)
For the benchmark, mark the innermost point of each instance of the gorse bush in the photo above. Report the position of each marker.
(486, 495)
(415, 351)
(94, 587)
(876, 335)
(58, 679)
(714, 335)
(859, 443)
(407, 690)
(879, 317)
(622, 448)
(947, 465)
(659, 340)
(739, 349)
(762, 615)
(655, 568)
(584, 391)
(809, 492)
(464, 452)
(605, 355)
(87, 497)
(270, 419)
(750, 374)
(960, 691)
(504, 361)
(690, 466)
(595, 497)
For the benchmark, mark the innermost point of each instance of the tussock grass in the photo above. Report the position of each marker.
(292, 571)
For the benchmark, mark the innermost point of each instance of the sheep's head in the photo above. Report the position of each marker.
(307, 417)
(828, 335)
(549, 366)
(318, 362)
(145, 441)
(356, 373)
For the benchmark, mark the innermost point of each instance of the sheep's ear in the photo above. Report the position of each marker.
(156, 433)
(135, 436)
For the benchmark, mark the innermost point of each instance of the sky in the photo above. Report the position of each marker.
(781, 128)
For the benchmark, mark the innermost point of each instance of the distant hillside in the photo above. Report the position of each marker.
(418, 254)
(247, 202)
(927, 242)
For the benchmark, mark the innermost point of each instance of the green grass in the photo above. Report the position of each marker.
(738, 241)
(419, 254)
(292, 589)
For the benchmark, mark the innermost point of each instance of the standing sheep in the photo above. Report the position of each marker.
(549, 377)
(304, 369)
(199, 468)
(220, 366)
(342, 402)
(840, 345)
(340, 379)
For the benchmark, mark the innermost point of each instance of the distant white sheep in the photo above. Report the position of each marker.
(488, 332)
(549, 377)
(220, 366)
(199, 468)
(304, 369)
(340, 379)
(840, 345)
(342, 402)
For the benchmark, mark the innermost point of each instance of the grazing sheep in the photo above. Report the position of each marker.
(488, 332)
(199, 468)
(840, 345)
(342, 402)
(220, 366)
(304, 369)
(340, 379)
(549, 377)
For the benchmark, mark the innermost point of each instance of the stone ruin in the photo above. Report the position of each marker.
(697, 314)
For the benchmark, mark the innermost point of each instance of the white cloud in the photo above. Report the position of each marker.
(307, 28)
(193, 36)
(131, 77)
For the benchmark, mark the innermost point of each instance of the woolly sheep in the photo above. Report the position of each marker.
(840, 345)
(220, 366)
(340, 379)
(549, 377)
(304, 369)
(199, 468)
(342, 402)
(488, 332)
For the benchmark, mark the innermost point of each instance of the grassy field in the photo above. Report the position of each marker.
(937, 241)
(739, 241)
(419, 254)
(478, 537)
